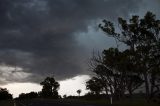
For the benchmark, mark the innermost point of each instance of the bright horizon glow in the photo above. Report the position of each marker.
(70, 86)
(67, 87)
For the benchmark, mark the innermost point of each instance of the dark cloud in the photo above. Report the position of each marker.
(39, 35)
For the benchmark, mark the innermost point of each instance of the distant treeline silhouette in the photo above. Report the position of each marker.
(49, 90)
(30, 95)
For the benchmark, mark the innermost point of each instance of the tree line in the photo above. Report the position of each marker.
(50, 89)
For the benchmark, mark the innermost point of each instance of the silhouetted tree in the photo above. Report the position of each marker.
(114, 72)
(4, 94)
(79, 91)
(143, 39)
(50, 88)
(94, 85)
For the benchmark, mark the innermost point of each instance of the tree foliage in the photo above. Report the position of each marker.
(94, 85)
(4, 94)
(30, 95)
(114, 73)
(125, 71)
(50, 88)
(79, 91)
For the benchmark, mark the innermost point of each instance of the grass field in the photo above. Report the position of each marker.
(6, 103)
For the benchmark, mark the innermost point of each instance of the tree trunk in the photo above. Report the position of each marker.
(152, 85)
(130, 93)
(146, 86)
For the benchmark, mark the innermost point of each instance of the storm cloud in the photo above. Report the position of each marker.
(39, 37)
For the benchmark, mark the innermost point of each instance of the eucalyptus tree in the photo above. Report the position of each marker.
(143, 39)
(114, 73)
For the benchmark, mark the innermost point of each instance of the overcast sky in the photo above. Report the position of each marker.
(43, 37)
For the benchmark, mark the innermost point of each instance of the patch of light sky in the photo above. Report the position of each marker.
(150, 6)
(94, 39)
(67, 87)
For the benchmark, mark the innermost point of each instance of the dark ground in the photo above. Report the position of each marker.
(41, 102)
(74, 102)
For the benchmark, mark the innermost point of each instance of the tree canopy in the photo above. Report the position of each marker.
(4, 94)
(121, 71)
(50, 87)
(79, 91)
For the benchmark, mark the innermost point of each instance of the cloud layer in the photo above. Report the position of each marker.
(39, 36)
